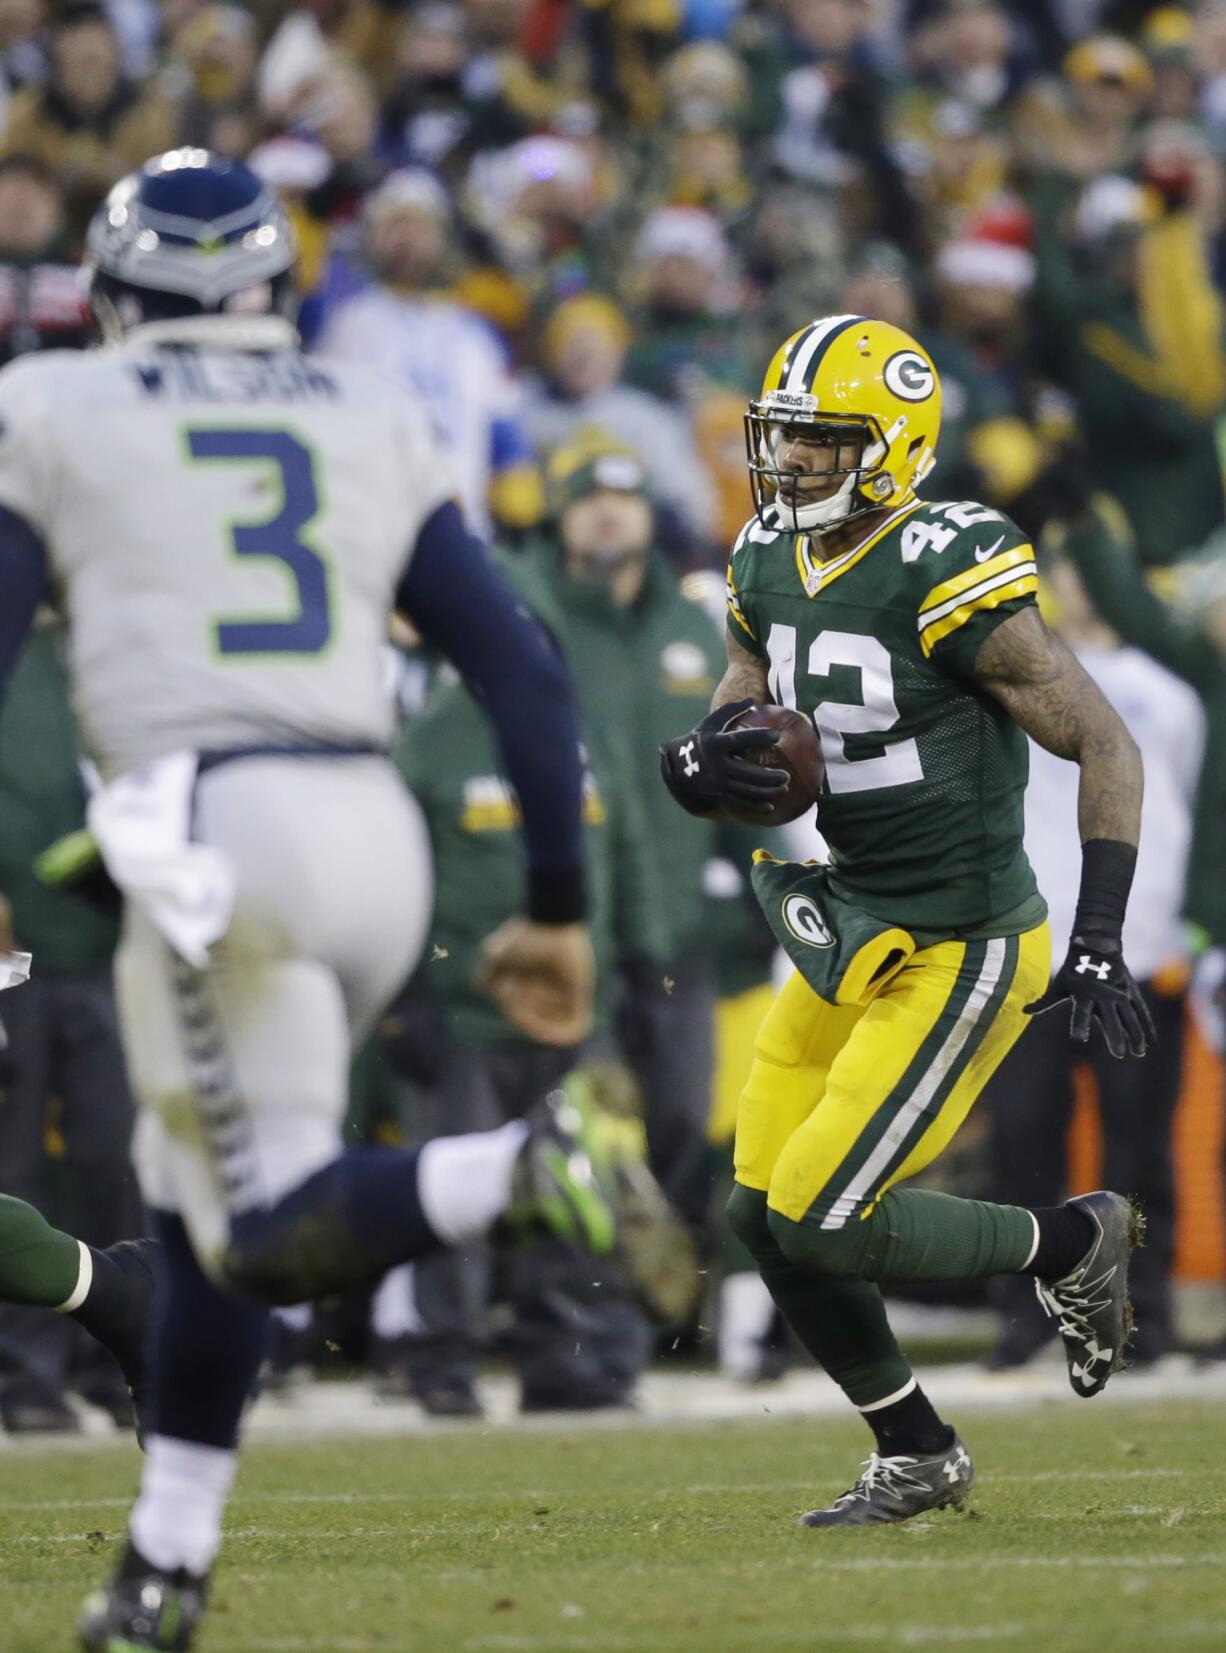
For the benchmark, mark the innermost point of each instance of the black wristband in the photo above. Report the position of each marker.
(1107, 866)
(557, 895)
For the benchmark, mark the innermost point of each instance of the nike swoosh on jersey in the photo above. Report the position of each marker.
(982, 556)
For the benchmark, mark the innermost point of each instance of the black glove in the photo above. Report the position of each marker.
(1095, 977)
(705, 767)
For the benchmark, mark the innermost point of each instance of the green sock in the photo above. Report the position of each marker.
(38, 1263)
(842, 1323)
(914, 1234)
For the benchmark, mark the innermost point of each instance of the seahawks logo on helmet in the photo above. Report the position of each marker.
(803, 919)
(190, 233)
(909, 376)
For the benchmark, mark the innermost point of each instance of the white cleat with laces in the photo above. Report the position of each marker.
(896, 1488)
(1090, 1304)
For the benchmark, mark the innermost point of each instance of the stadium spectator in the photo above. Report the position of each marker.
(426, 116)
(311, 39)
(539, 204)
(627, 622)
(211, 72)
(684, 339)
(1128, 320)
(1188, 637)
(1033, 1094)
(87, 120)
(972, 52)
(576, 1343)
(450, 356)
(583, 352)
(1083, 127)
(23, 55)
(67, 1112)
(42, 305)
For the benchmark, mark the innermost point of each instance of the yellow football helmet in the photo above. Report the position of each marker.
(844, 381)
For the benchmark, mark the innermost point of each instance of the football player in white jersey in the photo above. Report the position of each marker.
(227, 526)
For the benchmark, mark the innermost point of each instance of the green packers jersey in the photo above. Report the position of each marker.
(921, 803)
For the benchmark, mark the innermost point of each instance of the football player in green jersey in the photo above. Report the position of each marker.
(908, 630)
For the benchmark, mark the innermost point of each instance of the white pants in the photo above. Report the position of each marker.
(241, 1070)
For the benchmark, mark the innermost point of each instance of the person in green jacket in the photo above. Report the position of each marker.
(1126, 317)
(577, 1342)
(645, 655)
(62, 1076)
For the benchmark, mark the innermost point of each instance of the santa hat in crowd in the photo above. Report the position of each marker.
(993, 249)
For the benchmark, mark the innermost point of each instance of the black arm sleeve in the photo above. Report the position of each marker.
(455, 596)
(23, 585)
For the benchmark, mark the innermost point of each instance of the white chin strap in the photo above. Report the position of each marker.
(821, 513)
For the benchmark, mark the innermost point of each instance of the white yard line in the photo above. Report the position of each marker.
(701, 1489)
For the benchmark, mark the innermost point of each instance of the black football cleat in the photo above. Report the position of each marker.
(896, 1488)
(142, 1609)
(1090, 1304)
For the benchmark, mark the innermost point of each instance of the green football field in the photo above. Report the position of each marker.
(1091, 1528)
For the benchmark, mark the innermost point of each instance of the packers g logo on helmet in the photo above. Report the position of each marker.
(910, 375)
(861, 388)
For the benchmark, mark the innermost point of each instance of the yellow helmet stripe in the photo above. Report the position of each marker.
(807, 357)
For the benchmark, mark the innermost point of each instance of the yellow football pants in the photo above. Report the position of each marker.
(842, 1102)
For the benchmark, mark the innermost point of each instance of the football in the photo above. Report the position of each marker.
(798, 752)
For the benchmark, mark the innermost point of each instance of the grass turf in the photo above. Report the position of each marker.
(1091, 1528)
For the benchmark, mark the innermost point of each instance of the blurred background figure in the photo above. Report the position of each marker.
(1127, 318)
(87, 120)
(628, 621)
(1187, 635)
(1032, 1097)
(575, 1340)
(403, 325)
(66, 1113)
(42, 306)
(583, 353)
(685, 279)
(211, 74)
(23, 52)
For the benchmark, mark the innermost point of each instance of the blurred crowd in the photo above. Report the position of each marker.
(579, 229)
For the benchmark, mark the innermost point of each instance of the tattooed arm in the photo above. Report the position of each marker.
(1045, 689)
(744, 677)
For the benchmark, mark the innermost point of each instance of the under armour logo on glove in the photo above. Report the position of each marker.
(711, 764)
(1095, 977)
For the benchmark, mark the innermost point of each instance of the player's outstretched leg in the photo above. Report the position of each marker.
(1090, 1303)
(108, 1291)
(348, 1223)
(373, 1208)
